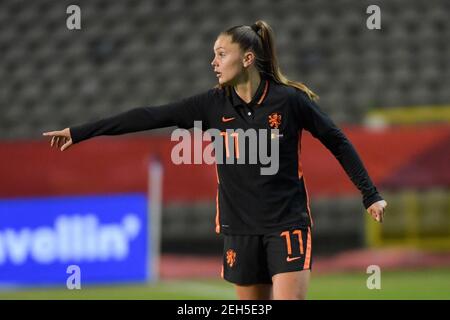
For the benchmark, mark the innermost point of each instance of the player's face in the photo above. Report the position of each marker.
(228, 60)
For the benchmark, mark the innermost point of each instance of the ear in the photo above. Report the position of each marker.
(249, 59)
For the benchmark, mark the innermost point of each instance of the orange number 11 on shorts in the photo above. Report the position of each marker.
(288, 240)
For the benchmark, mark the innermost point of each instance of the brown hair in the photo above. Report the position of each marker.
(259, 38)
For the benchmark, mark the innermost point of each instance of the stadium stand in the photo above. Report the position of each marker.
(135, 53)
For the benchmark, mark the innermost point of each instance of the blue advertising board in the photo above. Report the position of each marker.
(105, 237)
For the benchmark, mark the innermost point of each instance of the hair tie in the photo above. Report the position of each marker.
(255, 27)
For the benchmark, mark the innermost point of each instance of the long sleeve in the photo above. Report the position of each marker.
(182, 114)
(314, 120)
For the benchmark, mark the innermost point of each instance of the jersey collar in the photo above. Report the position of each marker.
(257, 99)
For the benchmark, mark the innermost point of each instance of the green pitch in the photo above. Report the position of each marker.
(423, 284)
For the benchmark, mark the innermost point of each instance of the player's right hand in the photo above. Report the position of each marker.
(60, 139)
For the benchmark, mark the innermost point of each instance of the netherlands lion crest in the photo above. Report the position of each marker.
(274, 120)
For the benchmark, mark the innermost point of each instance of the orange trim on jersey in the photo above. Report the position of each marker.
(300, 168)
(264, 93)
(217, 204)
(301, 176)
(307, 203)
(217, 213)
(217, 175)
(308, 251)
(221, 272)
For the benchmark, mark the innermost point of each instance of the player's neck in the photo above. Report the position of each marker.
(247, 87)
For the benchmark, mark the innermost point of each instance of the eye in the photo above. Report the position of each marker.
(222, 54)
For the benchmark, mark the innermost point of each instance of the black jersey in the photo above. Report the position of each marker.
(249, 202)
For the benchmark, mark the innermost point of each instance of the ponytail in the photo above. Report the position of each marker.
(259, 38)
(267, 61)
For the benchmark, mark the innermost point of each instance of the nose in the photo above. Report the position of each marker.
(213, 62)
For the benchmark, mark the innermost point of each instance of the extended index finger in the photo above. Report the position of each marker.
(52, 133)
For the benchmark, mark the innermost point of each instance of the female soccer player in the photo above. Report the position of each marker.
(265, 219)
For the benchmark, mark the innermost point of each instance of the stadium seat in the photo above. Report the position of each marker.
(127, 52)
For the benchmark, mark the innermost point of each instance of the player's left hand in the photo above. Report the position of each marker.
(376, 210)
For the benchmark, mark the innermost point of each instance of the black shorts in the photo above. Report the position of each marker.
(254, 259)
